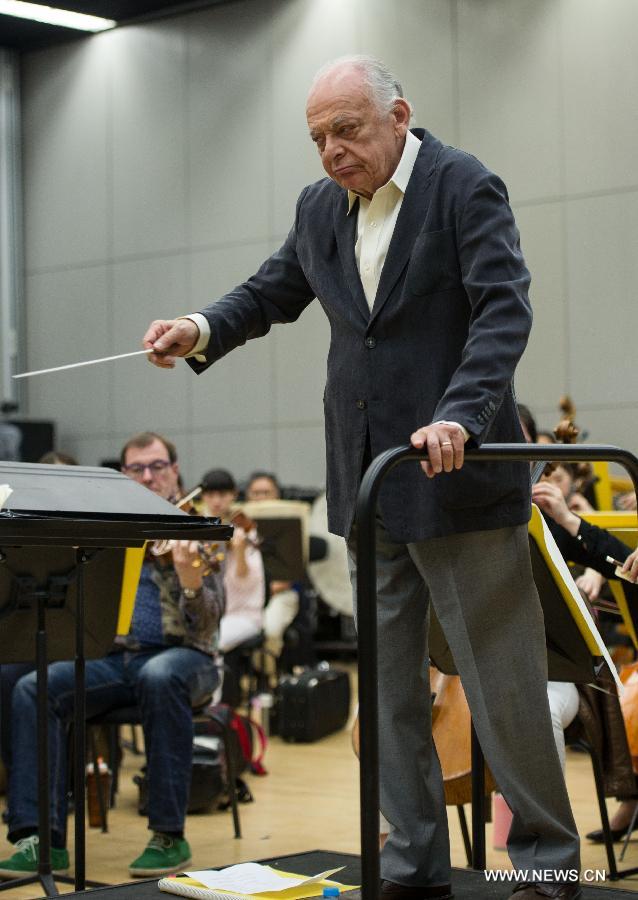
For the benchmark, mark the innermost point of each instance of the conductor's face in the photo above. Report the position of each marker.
(360, 146)
(151, 466)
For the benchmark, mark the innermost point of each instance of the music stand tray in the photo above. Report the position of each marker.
(81, 519)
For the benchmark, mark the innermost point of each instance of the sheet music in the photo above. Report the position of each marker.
(561, 565)
(252, 878)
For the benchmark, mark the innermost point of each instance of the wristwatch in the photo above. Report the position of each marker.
(191, 593)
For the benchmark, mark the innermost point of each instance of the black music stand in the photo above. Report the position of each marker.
(80, 519)
(281, 546)
(367, 632)
(283, 536)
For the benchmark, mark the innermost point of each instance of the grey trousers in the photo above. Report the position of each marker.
(481, 587)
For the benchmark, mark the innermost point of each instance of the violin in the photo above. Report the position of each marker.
(566, 432)
(239, 519)
(209, 552)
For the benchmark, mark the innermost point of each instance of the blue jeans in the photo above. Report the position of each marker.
(165, 682)
(10, 673)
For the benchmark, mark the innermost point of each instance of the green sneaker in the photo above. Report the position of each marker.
(25, 860)
(163, 855)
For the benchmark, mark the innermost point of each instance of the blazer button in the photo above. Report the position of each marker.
(371, 342)
(361, 404)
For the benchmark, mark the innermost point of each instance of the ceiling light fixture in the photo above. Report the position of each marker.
(54, 16)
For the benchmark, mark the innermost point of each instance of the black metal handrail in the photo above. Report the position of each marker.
(367, 601)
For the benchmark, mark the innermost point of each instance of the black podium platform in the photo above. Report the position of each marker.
(466, 884)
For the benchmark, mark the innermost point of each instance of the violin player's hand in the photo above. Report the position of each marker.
(549, 497)
(170, 338)
(239, 538)
(188, 564)
(590, 582)
(627, 501)
(630, 567)
(445, 443)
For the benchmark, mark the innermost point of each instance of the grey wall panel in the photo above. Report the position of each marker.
(149, 138)
(218, 269)
(612, 425)
(145, 397)
(301, 350)
(64, 95)
(239, 388)
(301, 455)
(89, 451)
(240, 451)
(602, 235)
(509, 79)
(415, 39)
(229, 109)
(68, 322)
(306, 34)
(542, 373)
(601, 84)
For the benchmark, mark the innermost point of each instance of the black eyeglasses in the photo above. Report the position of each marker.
(156, 467)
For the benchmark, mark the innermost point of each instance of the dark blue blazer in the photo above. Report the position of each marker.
(449, 323)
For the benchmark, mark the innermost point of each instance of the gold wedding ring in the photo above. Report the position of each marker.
(446, 443)
(196, 563)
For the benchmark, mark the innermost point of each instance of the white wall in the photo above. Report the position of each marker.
(162, 163)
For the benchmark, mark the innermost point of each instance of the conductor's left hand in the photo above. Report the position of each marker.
(170, 338)
(445, 443)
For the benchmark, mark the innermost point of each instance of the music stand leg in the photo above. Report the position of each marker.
(45, 876)
(80, 728)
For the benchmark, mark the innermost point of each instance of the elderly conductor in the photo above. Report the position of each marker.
(411, 248)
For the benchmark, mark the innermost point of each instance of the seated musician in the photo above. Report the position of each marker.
(283, 598)
(262, 486)
(165, 664)
(579, 542)
(244, 579)
(587, 544)
(584, 543)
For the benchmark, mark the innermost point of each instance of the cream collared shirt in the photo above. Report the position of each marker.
(377, 219)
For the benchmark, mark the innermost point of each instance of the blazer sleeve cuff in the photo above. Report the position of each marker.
(204, 336)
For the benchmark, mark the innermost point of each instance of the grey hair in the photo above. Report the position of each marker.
(385, 88)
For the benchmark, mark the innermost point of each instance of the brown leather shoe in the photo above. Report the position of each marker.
(527, 890)
(392, 891)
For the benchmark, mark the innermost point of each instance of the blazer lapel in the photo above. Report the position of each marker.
(345, 227)
(410, 220)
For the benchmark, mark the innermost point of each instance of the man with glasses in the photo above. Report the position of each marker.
(165, 664)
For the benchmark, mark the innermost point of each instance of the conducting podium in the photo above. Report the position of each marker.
(64, 568)
(570, 650)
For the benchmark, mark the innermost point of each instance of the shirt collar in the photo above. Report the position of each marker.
(402, 172)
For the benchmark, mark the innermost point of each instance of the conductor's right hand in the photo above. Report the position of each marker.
(169, 338)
